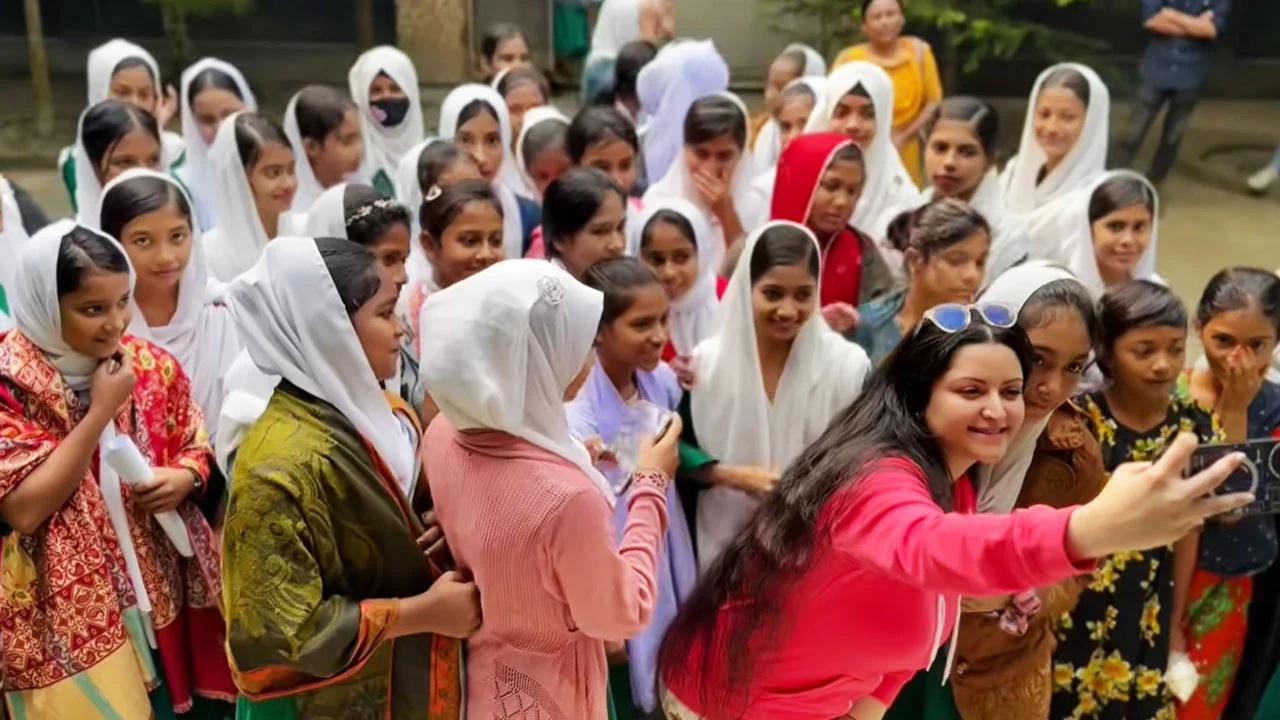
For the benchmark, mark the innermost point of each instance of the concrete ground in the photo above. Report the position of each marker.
(1206, 222)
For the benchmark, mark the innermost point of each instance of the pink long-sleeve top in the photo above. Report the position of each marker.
(880, 597)
(538, 538)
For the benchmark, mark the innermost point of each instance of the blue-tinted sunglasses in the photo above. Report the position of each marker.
(954, 317)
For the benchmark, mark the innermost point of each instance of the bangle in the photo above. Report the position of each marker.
(653, 478)
(197, 483)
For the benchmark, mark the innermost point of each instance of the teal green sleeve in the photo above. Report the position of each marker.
(69, 180)
(692, 457)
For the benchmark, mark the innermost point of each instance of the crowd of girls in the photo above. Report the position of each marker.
(653, 410)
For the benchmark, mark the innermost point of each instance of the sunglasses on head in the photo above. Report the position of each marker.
(954, 317)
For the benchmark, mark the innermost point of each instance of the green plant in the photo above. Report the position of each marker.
(975, 30)
(174, 14)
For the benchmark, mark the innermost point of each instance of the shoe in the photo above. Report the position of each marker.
(1263, 179)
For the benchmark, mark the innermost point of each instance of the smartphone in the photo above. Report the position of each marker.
(667, 419)
(1258, 473)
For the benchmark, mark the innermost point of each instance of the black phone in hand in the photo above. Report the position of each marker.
(1258, 474)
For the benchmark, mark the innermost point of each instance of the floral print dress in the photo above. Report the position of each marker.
(1114, 647)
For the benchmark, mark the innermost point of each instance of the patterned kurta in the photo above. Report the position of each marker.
(319, 543)
(1114, 647)
(72, 634)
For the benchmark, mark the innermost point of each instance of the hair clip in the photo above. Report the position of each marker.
(434, 192)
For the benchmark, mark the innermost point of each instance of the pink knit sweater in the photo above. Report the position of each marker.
(537, 536)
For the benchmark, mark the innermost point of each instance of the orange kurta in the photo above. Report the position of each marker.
(916, 85)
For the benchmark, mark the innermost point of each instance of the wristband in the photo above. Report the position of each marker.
(653, 478)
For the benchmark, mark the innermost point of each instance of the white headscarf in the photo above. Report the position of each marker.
(1078, 254)
(1010, 243)
(309, 187)
(768, 149)
(37, 315)
(201, 335)
(103, 61)
(999, 485)
(13, 237)
(693, 316)
(196, 172)
(328, 216)
(888, 185)
(682, 73)
(533, 118)
(734, 419)
(525, 328)
(236, 241)
(294, 325)
(617, 24)
(409, 193)
(88, 189)
(678, 183)
(450, 110)
(383, 147)
(1087, 159)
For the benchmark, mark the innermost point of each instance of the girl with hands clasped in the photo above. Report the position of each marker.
(83, 542)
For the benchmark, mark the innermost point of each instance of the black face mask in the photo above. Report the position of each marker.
(389, 112)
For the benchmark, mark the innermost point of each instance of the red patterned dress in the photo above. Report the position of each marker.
(74, 641)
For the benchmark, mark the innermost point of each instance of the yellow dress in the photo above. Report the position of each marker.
(916, 85)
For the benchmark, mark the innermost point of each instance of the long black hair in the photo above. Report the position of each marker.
(935, 226)
(617, 279)
(105, 123)
(319, 111)
(439, 210)
(596, 124)
(714, 117)
(977, 114)
(137, 196)
(368, 217)
(779, 542)
(1133, 305)
(571, 201)
(496, 35)
(82, 253)
(1058, 296)
(353, 269)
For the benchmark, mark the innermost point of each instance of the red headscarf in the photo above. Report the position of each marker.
(800, 169)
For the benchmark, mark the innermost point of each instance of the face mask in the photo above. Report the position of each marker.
(389, 112)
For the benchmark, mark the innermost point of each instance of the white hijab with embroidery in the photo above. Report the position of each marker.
(888, 186)
(450, 111)
(1086, 160)
(693, 315)
(383, 147)
(196, 172)
(201, 334)
(525, 328)
(735, 421)
(294, 325)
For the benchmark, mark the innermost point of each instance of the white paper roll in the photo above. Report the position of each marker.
(125, 458)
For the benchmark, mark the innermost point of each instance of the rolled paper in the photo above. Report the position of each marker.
(125, 458)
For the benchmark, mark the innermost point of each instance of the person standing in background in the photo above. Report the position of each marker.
(1174, 68)
(917, 88)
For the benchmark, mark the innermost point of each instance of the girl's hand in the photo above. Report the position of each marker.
(662, 454)
(842, 317)
(165, 491)
(1241, 381)
(166, 106)
(431, 541)
(686, 373)
(599, 453)
(713, 191)
(111, 384)
(1149, 505)
(752, 478)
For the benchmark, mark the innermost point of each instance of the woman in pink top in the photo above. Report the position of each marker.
(848, 578)
(521, 505)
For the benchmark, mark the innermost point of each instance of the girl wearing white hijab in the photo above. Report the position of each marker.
(121, 70)
(1064, 138)
(85, 384)
(768, 382)
(510, 483)
(720, 186)
(540, 152)
(797, 62)
(323, 127)
(212, 90)
(682, 73)
(673, 238)
(1115, 223)
(474, 118)
(384, 85)
(798, 101)
(888, 186)
(150, 215)
(111, 137)
(253, 194)
(13, 237)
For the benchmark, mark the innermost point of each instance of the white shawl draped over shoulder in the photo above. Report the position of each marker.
(733, 418)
